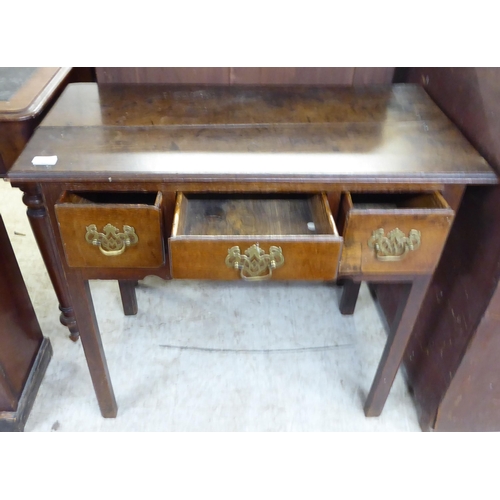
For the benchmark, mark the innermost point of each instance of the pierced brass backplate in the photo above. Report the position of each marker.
(395, 245)
(111, 242)
(255, 262)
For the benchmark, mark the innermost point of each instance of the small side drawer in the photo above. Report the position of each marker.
(393, 233)
(104, 229)
(254, 237)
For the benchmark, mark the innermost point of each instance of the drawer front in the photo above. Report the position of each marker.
(394, 241)
(193, 258)
(111, 236)
(226, 237)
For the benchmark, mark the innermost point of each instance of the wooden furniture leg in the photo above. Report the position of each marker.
(129, 299)
(394, 350)
(349, 297)
(40, 224)
(92, 344)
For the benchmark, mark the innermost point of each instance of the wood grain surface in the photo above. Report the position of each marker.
(361, 215)
(75, 213)
(366, 135)
(86, 104)
(205, 228)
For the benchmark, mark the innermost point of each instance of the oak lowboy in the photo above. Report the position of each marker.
(232, 183)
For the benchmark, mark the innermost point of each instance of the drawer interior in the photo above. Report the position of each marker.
(247, 215)
(110, 198)
(392, 201)
(390, 204)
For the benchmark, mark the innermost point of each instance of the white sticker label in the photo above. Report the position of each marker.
(44, 160)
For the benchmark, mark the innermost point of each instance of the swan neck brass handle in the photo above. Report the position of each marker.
(111, 242)
(254, 264)
(394, 246)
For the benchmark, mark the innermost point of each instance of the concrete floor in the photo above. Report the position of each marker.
(211, 356)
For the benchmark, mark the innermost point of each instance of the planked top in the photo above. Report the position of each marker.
(158, 132)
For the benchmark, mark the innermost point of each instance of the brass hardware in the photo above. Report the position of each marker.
(395, 245)
(111, 242)
(255, 262)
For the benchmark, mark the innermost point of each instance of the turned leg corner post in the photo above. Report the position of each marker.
(42, 229)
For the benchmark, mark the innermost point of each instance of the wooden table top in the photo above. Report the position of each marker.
(157, 132)
(24, 91)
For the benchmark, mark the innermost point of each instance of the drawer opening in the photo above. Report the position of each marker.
(393, 233)
(110, 198)
(254, 237)
(250, 215)
(391, 201)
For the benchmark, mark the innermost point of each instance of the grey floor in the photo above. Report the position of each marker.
(211, 356)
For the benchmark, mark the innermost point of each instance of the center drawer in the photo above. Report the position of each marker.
(254, 237)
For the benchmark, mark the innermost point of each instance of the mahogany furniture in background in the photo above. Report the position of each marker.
(247, 76)
(25, 96)
(283, 167)
(452, 359)
(24, 352)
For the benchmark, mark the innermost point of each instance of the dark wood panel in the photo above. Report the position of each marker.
(373, 76)
(248, 76)
(214, 76)
(474, 395)
(14, 421)
(292, 76)
(471, 98)
(20, 334)
(451, 361)
(13, 138)
(460, 291)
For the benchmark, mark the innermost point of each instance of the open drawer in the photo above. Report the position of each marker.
(393, 233)
(254, 237)
(107, 229)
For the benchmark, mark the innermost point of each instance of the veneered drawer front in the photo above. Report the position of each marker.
(295, 238)
(393, 233)
(111, 229)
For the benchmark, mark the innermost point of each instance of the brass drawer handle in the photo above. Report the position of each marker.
(255, 262)
(395, 245)
(111, 243)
